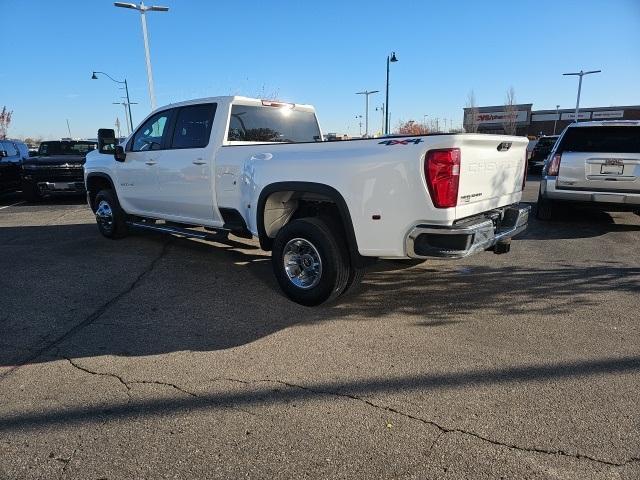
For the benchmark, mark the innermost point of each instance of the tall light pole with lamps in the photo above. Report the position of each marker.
(580, 74)
(126, 89)
(366, 94)
(555, 122)
(390, 59)
(143, 9)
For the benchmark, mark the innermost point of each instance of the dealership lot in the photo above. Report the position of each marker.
(159, 357)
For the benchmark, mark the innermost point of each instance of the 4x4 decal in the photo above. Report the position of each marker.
(415, 141)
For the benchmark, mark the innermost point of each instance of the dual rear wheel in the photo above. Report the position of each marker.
(311, 262)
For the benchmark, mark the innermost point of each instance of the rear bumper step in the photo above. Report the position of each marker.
(459, 241)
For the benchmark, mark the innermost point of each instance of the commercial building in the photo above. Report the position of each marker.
(533, 123)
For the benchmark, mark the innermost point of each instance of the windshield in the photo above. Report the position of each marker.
(66, 148)
(270, 124)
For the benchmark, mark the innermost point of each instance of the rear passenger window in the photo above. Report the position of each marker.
(270, 124)
(193, 126)
(601, 139)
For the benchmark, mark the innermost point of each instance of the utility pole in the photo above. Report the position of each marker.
(127, 108)
(366, 94)
(69, 129)
(581, 74)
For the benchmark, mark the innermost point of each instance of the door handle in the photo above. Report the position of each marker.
(199, 162)
(150, 162)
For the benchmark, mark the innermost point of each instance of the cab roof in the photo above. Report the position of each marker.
(236, 99)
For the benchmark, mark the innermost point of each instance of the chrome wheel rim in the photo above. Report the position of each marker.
(104, 215)
(302, 263)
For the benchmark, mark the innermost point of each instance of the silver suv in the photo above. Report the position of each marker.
(593, 163)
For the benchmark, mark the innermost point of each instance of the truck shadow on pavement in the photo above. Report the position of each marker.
(150, 294)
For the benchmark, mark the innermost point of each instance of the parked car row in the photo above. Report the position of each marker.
(56, 168)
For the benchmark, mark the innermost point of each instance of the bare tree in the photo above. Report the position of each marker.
(510, 122)
(5, 121)
(471, 120)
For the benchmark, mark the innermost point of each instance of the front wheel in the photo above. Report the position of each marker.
(110, 218)
(310, 263)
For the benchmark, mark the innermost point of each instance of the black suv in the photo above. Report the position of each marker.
(540, 152)
(57, 168)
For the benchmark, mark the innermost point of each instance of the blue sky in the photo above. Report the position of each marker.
(313, 52)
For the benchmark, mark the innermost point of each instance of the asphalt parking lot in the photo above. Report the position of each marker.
(159, 357)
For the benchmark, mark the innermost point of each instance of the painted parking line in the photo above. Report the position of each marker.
(13, 205)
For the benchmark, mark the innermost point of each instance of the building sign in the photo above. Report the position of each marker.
(608, 114)
(572, 116)
(520, 116)
(545, 117)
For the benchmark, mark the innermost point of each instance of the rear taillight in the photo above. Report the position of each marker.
(442, 172)
(554, 166)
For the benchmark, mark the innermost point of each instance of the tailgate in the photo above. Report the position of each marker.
(492, 169)
(600, 171)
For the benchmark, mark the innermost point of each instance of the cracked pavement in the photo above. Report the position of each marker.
(159, 357)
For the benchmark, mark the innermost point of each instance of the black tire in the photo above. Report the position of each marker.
(30, 192)
(332, 279)
(111, 219)
(546, 208)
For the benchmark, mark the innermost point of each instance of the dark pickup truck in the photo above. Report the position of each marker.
(57, 168)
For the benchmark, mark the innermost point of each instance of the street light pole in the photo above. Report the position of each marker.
(390, 58)
(580, 74)
(126, 89)
(555, 122)
(143, 9)
(366, 94)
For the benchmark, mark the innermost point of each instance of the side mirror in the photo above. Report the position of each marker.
(106, 140)
(120, 155)
(3, 153)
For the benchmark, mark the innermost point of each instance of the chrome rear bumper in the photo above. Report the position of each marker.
(462, 240)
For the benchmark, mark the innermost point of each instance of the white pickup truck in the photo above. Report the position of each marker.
(207, 167)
